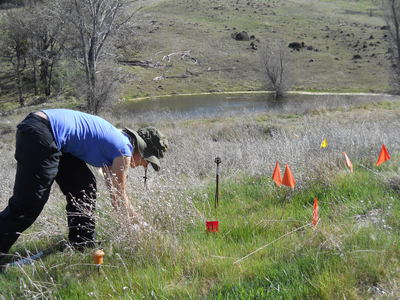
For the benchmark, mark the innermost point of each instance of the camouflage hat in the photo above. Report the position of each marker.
(151, 144)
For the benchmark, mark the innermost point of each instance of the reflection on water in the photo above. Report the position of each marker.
(200, 106)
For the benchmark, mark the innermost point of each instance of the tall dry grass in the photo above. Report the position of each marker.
(249, 144)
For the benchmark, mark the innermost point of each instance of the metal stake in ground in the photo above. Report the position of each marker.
(217, 161)
(145, 179)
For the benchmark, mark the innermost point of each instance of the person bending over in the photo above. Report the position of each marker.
(55, 145)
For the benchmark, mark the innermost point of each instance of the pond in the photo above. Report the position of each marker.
(212, 105)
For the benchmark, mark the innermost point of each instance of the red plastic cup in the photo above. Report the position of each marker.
(212, 226)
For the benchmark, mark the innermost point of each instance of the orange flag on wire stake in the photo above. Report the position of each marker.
(315, 217)
(288, 178)
(276, 176)
(348, 162)
(383, 156)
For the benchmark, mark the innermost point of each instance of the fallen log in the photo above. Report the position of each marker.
(139, 63)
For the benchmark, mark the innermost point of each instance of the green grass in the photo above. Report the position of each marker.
(349, 253)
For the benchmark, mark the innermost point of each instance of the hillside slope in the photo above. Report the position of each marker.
(333, 33)
(345, 47)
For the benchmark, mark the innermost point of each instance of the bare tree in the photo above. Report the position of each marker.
(45, 42)
(89, 26)
(392, 18)
(275, 64)
(29, 34)
(14, 46)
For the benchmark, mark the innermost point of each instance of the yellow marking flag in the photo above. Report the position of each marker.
(324, 144)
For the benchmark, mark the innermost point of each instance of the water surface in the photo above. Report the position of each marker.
(200, 106)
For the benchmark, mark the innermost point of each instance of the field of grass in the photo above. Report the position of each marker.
(353, 253)
(266, 247)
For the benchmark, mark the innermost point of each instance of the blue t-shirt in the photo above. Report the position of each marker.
(87, 137)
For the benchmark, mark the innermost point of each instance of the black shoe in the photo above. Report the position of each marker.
(3, 262)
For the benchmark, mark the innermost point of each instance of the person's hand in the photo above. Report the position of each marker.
(138, 223)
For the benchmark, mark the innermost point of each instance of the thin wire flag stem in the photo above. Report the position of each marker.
(372, 171)
(145, 179)
(279, 238)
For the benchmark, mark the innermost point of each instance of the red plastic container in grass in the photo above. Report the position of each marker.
(212, 226)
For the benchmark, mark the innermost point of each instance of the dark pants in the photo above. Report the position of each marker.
(39, 164)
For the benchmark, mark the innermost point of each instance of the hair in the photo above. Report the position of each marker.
(132, 139)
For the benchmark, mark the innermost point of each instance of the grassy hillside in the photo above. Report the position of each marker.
(335, 31)
(353, 252)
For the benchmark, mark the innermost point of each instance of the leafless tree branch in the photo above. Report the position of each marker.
(275, 62)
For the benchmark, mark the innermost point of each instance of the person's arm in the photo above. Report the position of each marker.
(116, 176)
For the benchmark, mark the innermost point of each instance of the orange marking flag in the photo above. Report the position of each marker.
(315, 217)
(276, 176)
(288, 178)
(383, 156)
(348, 162)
